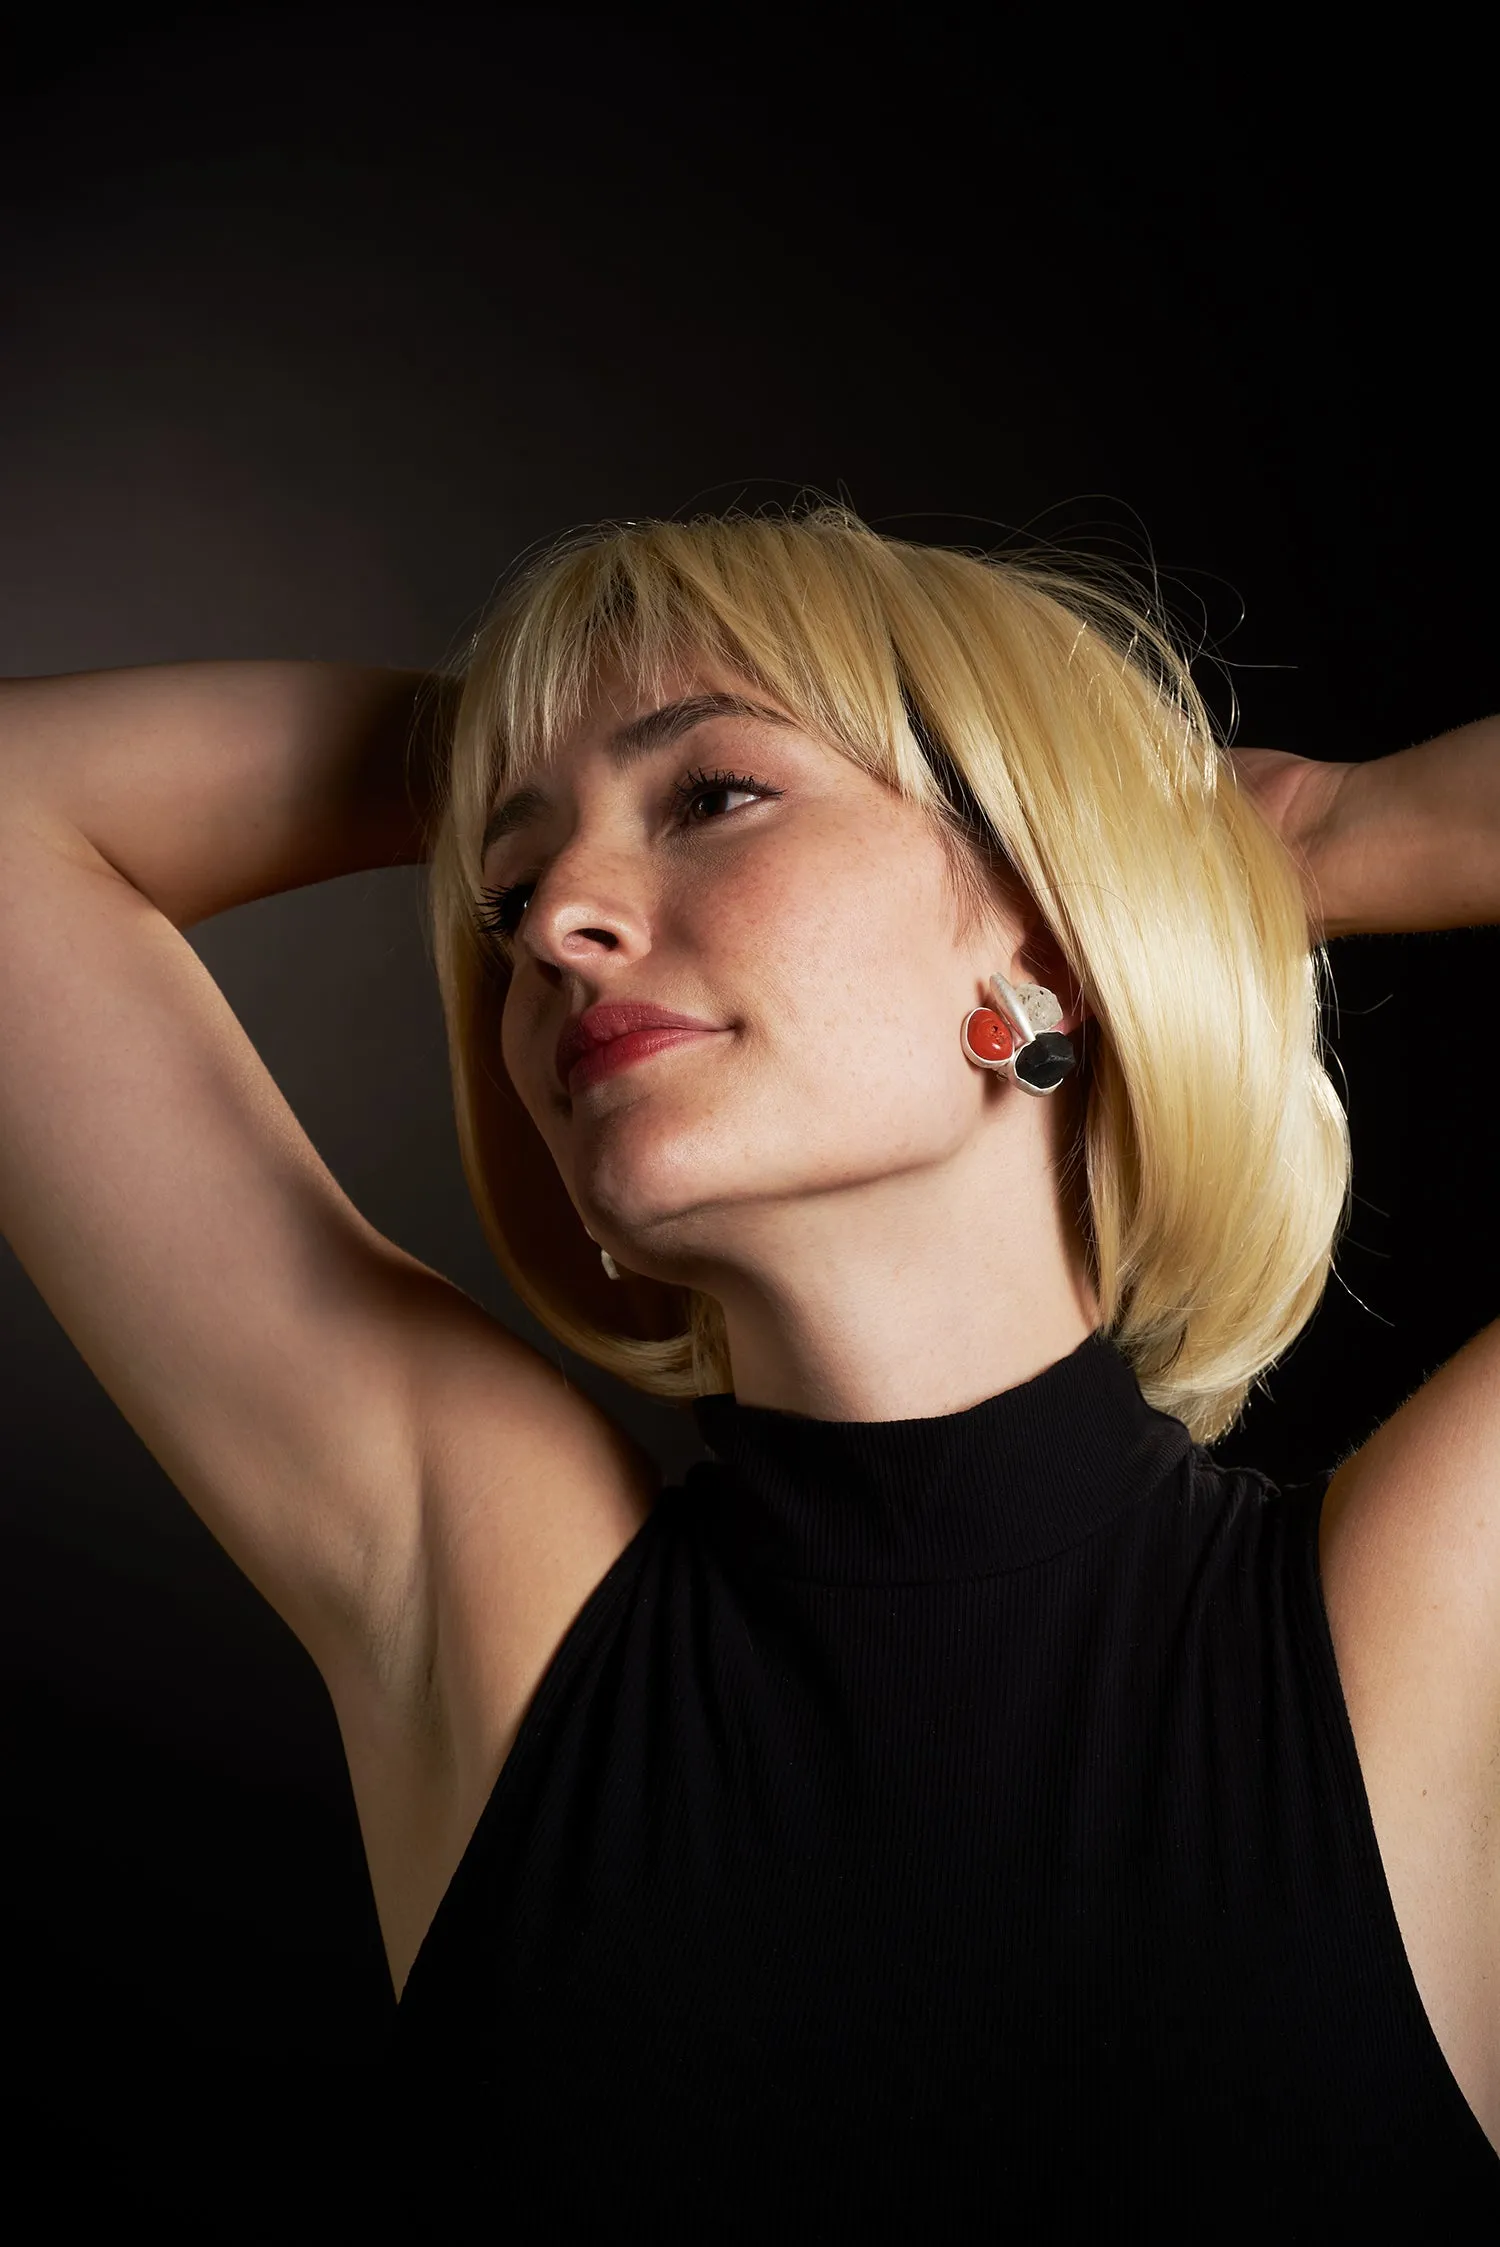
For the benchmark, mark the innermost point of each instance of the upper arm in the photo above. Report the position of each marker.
(1410, 1545)
(288, 1366)
(1417, 1507)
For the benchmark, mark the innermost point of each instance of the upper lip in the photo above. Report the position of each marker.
(598, 1024)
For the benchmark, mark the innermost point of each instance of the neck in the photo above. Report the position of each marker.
(912, 1295)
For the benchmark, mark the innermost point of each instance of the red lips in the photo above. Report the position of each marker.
(598, 1024)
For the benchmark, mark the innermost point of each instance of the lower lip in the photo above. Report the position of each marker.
(618, 1053)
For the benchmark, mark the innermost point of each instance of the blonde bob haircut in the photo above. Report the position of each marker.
(1049, 725)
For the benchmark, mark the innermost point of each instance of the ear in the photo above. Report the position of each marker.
(1040, 959)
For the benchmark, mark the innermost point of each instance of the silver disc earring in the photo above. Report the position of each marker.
(1017, 1037)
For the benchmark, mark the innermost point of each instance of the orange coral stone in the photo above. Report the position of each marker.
(988, 1036)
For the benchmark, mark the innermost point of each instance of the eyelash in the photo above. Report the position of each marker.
(497, 911)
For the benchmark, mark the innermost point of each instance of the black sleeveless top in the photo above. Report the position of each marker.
(946, 1827)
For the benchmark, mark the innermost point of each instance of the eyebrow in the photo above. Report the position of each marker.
(637, 738)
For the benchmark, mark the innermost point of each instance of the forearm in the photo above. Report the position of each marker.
(1411, 841)
(208, 784)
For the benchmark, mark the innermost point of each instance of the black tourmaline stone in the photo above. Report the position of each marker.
(1046, 1060)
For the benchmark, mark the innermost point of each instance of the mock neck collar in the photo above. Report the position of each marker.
(1008, 1482)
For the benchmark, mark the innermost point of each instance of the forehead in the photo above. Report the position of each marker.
(629, 720)
(626, 708)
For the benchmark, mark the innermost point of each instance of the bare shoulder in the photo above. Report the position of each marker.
(528, 1493)
(1410, 1541)
(1409, 1550)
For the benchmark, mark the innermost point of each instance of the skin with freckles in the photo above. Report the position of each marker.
(880, 1219)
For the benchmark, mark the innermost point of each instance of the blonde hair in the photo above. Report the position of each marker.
(1212, 1162)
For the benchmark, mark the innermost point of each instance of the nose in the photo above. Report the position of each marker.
(589, 903)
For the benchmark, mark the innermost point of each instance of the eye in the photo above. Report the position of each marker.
(694, 785)
(498, 911)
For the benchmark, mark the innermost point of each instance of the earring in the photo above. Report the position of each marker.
(1020, 1042)
(611, 1268)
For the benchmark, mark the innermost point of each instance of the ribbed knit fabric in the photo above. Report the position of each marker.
(947, 1829)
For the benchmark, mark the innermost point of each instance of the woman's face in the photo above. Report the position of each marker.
(720, 862)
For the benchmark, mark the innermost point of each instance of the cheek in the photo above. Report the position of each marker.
(526, 1050)
(845, 987)
(512, 1045)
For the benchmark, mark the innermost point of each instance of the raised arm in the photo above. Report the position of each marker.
(415, 1490)
(207, 784)
(1400, 843)
(153, 1182)
(1409, 1534)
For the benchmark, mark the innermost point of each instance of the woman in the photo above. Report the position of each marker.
(882, 1018)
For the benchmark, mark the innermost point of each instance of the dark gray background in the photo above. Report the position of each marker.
(312, 324)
